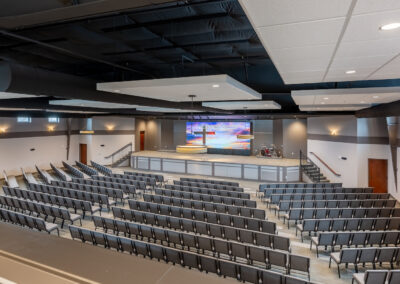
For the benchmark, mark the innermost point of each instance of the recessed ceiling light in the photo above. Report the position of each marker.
(390, 26)
(117, 91)
(375, 97)
(322, 103)
(350, 71)
(215, 86)
(326, 98)
(363, 102)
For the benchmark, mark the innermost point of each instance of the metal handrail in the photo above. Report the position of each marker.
(119, 150)
(326, 165)
(308, 161)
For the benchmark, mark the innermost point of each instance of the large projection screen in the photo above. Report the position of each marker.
(219, 135)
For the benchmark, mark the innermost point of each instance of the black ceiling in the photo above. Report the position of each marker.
(183, 38)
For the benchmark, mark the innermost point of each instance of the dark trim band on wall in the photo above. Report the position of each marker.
(349, 139)
(30, 134)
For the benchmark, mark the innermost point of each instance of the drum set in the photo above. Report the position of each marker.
(271, 151)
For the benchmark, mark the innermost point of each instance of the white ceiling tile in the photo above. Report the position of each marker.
(366, 27)
(372, 6)
(240, 105)
(7, 95)
(179, 89)
(302, 34)
(303, 77)
(359, 63)
(367, 48)
(390, 70)
(329, 98)
(333, 108)
(96, 104)
(276, 12)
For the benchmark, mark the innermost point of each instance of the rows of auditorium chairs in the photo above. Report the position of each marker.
(159, 178)
(365, 256)
(206, 197)
(86, 169)
(324, 213)
(347, 224)
(114, 190)
(104, 170)
(229, 183)
(209, 191)
(206, 216)
(284, 206)
(73, 171)
(363, 239)
(209, 185)
(27, 221)
(125, 179)
(41, 209)
(203, 228)
(75, 204)
(377, 277)
(225, 268)
(137, 184)
(101, 199)
(249, 253)
(207, 206)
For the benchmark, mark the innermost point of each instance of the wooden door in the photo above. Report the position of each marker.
(141, 140)
(378, 175)
(83, 153)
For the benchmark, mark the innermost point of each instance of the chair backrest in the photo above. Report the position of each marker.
(394, 277)
(348, 255)
(375, 276)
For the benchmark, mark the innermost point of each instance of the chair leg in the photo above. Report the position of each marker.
(330, 261)
(338, 270)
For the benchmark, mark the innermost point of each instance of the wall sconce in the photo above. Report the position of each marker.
(51, 128)
(110, 127)
(334, 132)
(3, 130)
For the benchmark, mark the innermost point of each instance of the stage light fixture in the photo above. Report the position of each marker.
(215, 86)
(350, 71)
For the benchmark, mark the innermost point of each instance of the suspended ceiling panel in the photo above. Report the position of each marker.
(313, 41)
(344, 99)
(96, 104)
(6, 96)
(242, 105)
(205, 88)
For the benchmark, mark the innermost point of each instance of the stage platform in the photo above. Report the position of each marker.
(225, 166)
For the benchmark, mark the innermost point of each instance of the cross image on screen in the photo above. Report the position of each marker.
(218, 135)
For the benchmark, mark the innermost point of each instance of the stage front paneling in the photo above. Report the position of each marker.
(204, 167)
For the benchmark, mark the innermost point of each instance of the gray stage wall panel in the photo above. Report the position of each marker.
(250, 172)
(215, 169)
(199, 168)
(174, 166)
(155, 164)
(292, 174)
(228, 170)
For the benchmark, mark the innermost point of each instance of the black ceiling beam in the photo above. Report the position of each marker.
(165, 22)
(72, 53)
(382, 110)
(230, 42)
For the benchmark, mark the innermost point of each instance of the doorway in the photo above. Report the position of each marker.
(378, 175)
(83, 153)
(142, 140)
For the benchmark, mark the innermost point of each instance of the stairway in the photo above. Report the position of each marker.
(122, 159)
(314, 173)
